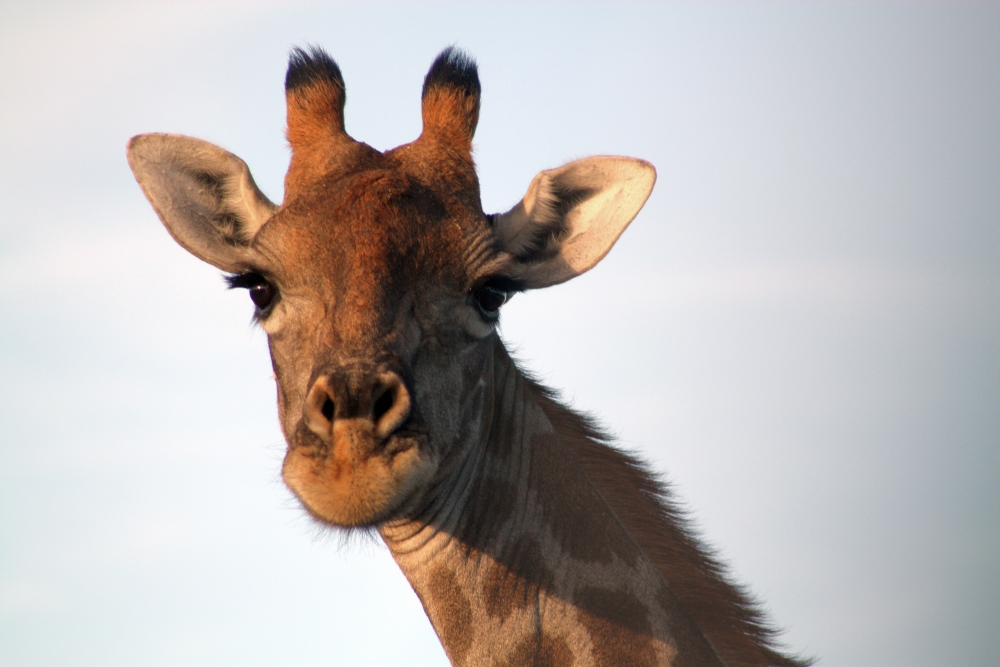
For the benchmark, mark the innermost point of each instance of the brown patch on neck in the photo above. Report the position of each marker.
(451, 614)
(573, 510)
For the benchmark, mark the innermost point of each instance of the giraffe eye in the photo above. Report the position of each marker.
(262, 295)
(492, 293)
(262, 292)
(489, 299)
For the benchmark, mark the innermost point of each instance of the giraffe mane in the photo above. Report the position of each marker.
(732, 621)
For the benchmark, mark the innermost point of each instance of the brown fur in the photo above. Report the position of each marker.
(450, 117)
(455, 615)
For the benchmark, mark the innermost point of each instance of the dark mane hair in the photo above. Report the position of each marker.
(732, 621)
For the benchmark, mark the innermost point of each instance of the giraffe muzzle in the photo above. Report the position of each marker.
(362, 455)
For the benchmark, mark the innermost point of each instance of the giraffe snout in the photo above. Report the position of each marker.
(379, 404)
(375, 455)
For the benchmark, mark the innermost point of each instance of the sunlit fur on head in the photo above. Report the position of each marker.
(315, 92)
(315, 98)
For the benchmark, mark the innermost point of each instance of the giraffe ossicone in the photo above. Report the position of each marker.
(528, 536)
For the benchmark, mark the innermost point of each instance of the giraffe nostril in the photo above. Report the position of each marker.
(383, 404)
(392, 407)
(319, 408)
(327, 409)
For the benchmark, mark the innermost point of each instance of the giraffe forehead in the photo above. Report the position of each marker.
(376, 229)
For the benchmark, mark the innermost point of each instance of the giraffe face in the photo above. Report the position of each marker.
(379, 279)
(381, 294)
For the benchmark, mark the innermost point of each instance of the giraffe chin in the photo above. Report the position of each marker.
(342, 488)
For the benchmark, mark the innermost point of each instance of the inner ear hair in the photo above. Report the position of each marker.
(533, 230)
(204, 195)
(236, 217)
(571, 216)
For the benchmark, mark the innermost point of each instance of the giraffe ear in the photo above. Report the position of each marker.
(204, 195)
(571, 216)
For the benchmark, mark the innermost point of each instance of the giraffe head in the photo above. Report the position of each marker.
(379, 279)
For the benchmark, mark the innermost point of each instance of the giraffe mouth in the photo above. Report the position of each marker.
(354, 478)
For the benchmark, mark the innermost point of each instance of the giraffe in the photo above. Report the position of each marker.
(528, 536)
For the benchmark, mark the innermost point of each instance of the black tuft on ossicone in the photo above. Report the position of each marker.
(309, 66)
(453, 68)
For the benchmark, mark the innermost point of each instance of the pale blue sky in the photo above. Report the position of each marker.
(802, 328)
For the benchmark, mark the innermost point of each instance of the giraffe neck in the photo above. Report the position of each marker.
(522, 562)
